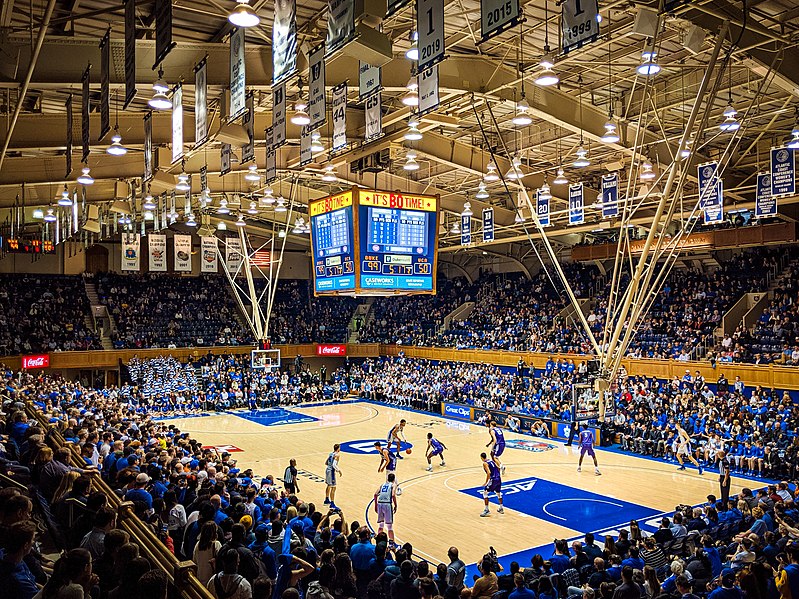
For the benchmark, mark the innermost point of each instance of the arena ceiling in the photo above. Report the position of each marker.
(480, 86)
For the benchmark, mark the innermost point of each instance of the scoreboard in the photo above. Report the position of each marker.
(368, 242)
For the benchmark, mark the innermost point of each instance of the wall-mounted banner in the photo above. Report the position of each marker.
(201, 103)
(225, 159)
(105, 85)
(709, 188)
(279, 114)
(317, 108)
(610, 195)
(339, 108)
(177, 123)
(576, 204)
(130, 52)
(579, 23)
(182, 253)
(208, 256)
(783, 172)
(395, 5)
(284, 40)
(430, 25)
(233, 257)
(271, 156)
(497, 16)
(238, 77)
(542, 209)
(428, 90)
(369, 80)
(68, 155)
(248, 121)
(157, 252)
(306, 156)
(466, 229)
(130, 251)
(374, 117)
(765, 203)
(163, 30)
(488, 224)
(340, 24)
(148, 146)
(84, 114)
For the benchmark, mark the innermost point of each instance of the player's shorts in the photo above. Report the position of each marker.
(587, 449)
(497, 450)
(684, 449)
(330, 478)
(391, 466)
(385, 514)
(434, 451)
(493, 486)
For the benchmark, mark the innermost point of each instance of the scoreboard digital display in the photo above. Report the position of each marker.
(333, 243)
(29, 246)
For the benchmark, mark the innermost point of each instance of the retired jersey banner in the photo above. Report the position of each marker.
(130, 52)
(130, 251)
(610, 195)
(340, 24)
(177, 123)
(248, 149)
(317, 109)
(368, 80)
(496, 16)
(466, 229)
(163, 30)
(284, 40)
(105, 85)
(374, 117)
(148, 146)
(576, 204)
(430, 25)
(428, 90)
(238, 82)
(765, 203)
(233, 257)
(579, 23)
(157, 252)
(542, 209)
(200, 103)
(182, 253)
(783, 172)
(488, 224)
(306, 155)
(208, 254)
(279, 115)
(339, 107)
(226, 159)
(271, 156)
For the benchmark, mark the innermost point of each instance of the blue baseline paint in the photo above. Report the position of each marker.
(274, 417)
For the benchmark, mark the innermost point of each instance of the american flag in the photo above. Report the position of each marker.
(261, 258)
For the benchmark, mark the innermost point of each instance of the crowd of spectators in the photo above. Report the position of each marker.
(44, 314)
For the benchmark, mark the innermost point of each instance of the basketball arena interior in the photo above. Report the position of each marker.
(399, 299)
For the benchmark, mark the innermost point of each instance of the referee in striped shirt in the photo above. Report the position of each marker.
(724, 476)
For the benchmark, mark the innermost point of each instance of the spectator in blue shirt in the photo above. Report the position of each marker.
(521, 591)
(16, 579)
(727, 590)
(560, 559)
(138, 492)
(361, 555)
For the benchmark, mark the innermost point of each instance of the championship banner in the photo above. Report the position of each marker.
(225, 159)
(306, 156)
(279, 115)
(610, 195)
(201, 103)
(428, 90)
(105, 85)
(576, 204)
(284, 40)
(233, 257)
(182, 253)
(368, 80)
(271, 156)
(711, 197)
(157, 252)
(466, 229)
(488, 224)
(163, 31)
(208, 256)
(248, 149)
(542, 209)
(340, 24)
(84, 115)
(68, 155)
(783, 172)
(374, 117)
(339, 107)
(765, 203)
(714, 213)
(130, 251)
(430, 25)
(148, 146)
(579, 23)
(497, 16)
(130, 52)
(316, 87)
(177, 123)
(238, 85)
(395, 5)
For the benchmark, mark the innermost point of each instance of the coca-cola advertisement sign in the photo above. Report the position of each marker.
(38, 361)
(328, 349)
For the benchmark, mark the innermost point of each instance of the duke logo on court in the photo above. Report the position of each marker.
(367, 446)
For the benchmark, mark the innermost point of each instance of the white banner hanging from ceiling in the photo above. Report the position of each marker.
(783, 172)
(279, 114)
(163, 30)
(579, 23)
(306, 155)
(488, 224)
(157, 252)
(428, 90)
(542, 209)
(610, 195)
(233, 257)
(177, 123)
(368, 80)
(466, 229)
(201, 103)
(148, 146)
(317, 108)
(340, 24)
(711, 194)
(208, 256)
(576, 204)
(248, 121)
(105, 85)
(373, 117)
(238, 75)
(497, 16)
(765, 203)
(284, 40)
(339, 107)
(130, 52)
(430, 25)
(182, 253)
(271, 156)
(130, 251)
(225, 159)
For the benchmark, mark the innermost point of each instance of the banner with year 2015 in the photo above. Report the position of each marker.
(497, 16)
(579, 23)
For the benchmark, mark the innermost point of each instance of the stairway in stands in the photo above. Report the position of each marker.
(360, 318)
(99, 315)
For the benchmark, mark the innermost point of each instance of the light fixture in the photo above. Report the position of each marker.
(519, 218)
(221, 226)
(240, 221)
(281, 205)
(252, 174)
(561, 178)
(491, 172)
(281, 233)
(410, 163)
(582, 158)
(610, 136)
(730, 123)
(268, 198)
(413, 133)
(411, 98)
(160, 101)
(148, 215)
(793, 143)
(243, 15)
(50, 217)
(148, 203)
(300, 116)
(38, 213)
(299, 226)
(85, 178)
(316, 143)
(456, 228)
(482, 192)
(253, 209)
(467, 209)
(329, 174)
(521, 118)
(515, 172)
(116, 148)
(649, 65)
(190, 222)
(223, 209)
(647, 172)
(412, 53)
(65, 200)
(546, 76)
(544, 193)
(183, 182)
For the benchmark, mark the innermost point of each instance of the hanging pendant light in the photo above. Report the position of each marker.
(85, 178)
(546, 76)
(149, 202)
(519, 218)
(190, 221)
(412, 53)
(793, 143)
(411, 97)
(582, 158)
(410, 162)
(521, 118)
(223, 209)
(482, 192)
(183, 182)
(300, 116)
(268, 198)
(316, 143)
(467, 209)
(730, 122)
(221, 226)
(610, 136)
(561, 178)
(38, 214)
(253, 208)
(243, 15)
(252, 174)
(544, 192)
(491, 172)
(116, 148)
(50, 217)
(515, 172)
(649, 65)
(281, 205)
(240, 221)
(160, 100)
(413, 133)
(64, 199)
(647, 171)
(456, 228)
(329, 175)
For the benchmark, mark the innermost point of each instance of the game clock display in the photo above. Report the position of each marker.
(29, 246)
(332, 243)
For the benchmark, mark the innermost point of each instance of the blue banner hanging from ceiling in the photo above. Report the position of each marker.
(765, 203)
(542, 209)
(783, 172)
(610, 195)
(576, 204)
(488, 224)
(711, 193)
(466, 229)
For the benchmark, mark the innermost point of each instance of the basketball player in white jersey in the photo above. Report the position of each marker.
(683, 442)
(386, 507)
(332, 472)
(397, 431)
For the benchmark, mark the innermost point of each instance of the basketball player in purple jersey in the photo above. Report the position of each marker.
(587, 447)
(493, 484)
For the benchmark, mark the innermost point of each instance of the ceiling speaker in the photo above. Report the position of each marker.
(646, 22)
(694, 39)
(92, 226)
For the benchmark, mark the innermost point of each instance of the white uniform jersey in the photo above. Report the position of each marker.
(385, 493)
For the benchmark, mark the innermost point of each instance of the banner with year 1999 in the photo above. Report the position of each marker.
(579, 23)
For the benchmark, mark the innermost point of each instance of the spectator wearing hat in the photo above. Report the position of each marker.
(727, 589)
(139, 492)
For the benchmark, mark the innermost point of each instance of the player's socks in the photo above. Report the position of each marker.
(501, 510)
(579, 469)
(700, 470)
(597, 472)
(485, 513)
(429, 468)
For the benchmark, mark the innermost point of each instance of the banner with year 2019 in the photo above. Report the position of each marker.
(182, 253)
(430, 25)
(208, 254)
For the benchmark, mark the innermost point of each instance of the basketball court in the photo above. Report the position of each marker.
(545, 496)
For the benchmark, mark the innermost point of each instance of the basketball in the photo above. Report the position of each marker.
(408, 451)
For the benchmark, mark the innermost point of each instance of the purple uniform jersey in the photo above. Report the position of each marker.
(499, 445)
(495, 482)
(587, 442)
